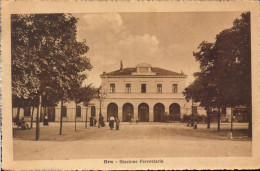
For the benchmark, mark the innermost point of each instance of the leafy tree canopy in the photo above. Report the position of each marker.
(225, 76)
(47, 59)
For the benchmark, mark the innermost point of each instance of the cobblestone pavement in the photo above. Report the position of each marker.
(132, 140)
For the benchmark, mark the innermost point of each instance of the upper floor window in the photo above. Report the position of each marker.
(112, 88)
(78, 111)
(128, 88)
(159, 88)
(143, 88)
(175, 88)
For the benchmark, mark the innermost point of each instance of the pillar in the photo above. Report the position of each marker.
(151, 119)
(136, 113)
(120, 113)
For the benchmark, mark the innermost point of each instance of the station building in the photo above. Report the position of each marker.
(142, 93)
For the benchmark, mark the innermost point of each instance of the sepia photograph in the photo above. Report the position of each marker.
(130, 88)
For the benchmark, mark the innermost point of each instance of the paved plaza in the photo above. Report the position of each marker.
(135, 140)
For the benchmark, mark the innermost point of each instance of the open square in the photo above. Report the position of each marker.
(132, 140)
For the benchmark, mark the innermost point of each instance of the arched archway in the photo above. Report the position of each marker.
(93, 111)
(175, 112)
(128, 112)
(143, 112)
(78, 111)
(158, 112)
(112, 110)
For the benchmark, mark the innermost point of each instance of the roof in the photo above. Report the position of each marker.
(158, 71)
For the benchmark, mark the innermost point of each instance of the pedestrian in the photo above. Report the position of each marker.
(117, 123)
(46, 121)
(101, 121)
(111, 122)
(95, 121)
(24, 125)
(91, 121)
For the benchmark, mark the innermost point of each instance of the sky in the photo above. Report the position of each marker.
(165, 40)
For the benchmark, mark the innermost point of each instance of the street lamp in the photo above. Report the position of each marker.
(101, 95)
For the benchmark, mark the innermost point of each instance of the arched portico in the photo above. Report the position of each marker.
(143, 112)
(158, 112)
(112, 110)
(128, 112)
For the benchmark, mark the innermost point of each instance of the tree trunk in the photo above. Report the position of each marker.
(208, 119)
(32, 117)
(218, 119)
(250, 124)
(18, 113)
(38, 118)
(75, 116)
(61, 116)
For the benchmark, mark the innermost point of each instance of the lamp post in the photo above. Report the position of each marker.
(101, 95)
(192, 113)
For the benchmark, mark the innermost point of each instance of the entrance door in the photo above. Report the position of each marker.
(158, 111)
(112, 110)
(128, 112)
(143, 112)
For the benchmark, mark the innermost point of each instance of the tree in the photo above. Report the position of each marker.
(225, 65)
(47, 60)
(82, 94)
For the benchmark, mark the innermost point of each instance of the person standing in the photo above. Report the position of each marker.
(46, 121)
(117, 123)
(111, 122)
(91, 121)
(101, 121)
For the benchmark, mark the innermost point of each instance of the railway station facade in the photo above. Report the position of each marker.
(143, 93)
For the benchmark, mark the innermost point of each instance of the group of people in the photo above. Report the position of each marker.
(93, 121)
(112, 120)
(101, 122)
(21, 123)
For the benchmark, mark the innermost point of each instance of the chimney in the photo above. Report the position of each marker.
(182, 72)
(104, 73)
(121, 65)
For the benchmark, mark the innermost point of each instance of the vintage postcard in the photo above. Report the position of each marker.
(125, 85)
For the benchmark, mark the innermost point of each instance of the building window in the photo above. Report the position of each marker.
(64, 111)
(175, 88)
(128, 88)
(112, 88)
(143, 88)
(78, 111)
(159, 88)
(93, 111)
(27, 111)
